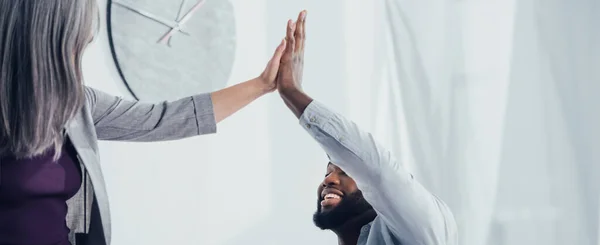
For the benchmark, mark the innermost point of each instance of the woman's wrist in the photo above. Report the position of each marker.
(263, 85)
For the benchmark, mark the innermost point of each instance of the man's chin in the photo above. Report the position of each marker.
(320, 221)
(336, 214)
(333, 220)
(330, 217)
(328, 208)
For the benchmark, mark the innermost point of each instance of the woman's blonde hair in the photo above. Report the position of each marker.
(41, 84)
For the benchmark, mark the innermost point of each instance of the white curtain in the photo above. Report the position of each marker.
(494, 106)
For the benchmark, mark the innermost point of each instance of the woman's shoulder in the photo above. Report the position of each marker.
(90, 96)
(84, 117)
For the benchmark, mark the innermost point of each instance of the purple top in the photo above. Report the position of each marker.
(33, 195)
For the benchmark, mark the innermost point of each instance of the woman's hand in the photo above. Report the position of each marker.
(268, 76)
(231, 99)
(292, 61)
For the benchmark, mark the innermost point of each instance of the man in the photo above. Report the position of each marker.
(367, 197)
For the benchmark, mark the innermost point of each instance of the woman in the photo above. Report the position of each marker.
(51, 187)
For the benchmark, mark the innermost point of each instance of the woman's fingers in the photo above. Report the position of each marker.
(278, 53)
(279, 50)
(273, 65)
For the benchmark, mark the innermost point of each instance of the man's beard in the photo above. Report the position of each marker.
(351, 206)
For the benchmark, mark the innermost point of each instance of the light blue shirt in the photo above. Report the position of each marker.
(407, 214)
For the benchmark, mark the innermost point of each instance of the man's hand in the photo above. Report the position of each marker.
(289, 79)
(268, 76)
(292, 61)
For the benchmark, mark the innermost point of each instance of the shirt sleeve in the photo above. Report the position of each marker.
(124, 120)
(412, 213)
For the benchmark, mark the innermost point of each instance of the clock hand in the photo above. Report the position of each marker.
(189, 14)
(172, 24)
(183, 20)
(179, 13)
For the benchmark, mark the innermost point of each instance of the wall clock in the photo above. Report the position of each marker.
(167, 49)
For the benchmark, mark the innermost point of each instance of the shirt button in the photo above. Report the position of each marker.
(313, 119)
(308, 126)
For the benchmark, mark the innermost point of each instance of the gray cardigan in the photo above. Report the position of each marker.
(107, 117)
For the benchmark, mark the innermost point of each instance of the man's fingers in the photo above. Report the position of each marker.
(291, 42)
(300, 33)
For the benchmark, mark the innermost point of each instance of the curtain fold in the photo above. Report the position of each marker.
(429, 76)
(494, 106)
(570, 40)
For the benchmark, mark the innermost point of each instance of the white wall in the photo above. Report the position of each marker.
(252, 183)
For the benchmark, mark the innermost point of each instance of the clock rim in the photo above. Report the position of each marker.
(113, 50)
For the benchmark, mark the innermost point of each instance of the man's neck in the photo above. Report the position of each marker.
(349, 239)
(349, 233)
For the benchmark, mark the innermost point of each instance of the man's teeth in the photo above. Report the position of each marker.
(332, 196)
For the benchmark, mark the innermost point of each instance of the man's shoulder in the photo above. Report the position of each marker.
(378, 232)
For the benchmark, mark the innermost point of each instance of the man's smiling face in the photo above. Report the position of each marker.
(339, 200)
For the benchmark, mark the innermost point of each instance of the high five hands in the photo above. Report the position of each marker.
(284, 71)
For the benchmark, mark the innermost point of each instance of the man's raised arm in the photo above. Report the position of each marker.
(413, 214)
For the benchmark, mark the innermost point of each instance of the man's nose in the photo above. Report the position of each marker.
(331, 180)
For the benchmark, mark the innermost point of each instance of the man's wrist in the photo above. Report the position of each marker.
(288, 91)
(295, 99)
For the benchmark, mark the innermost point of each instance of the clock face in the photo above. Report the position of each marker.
(168, 49)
